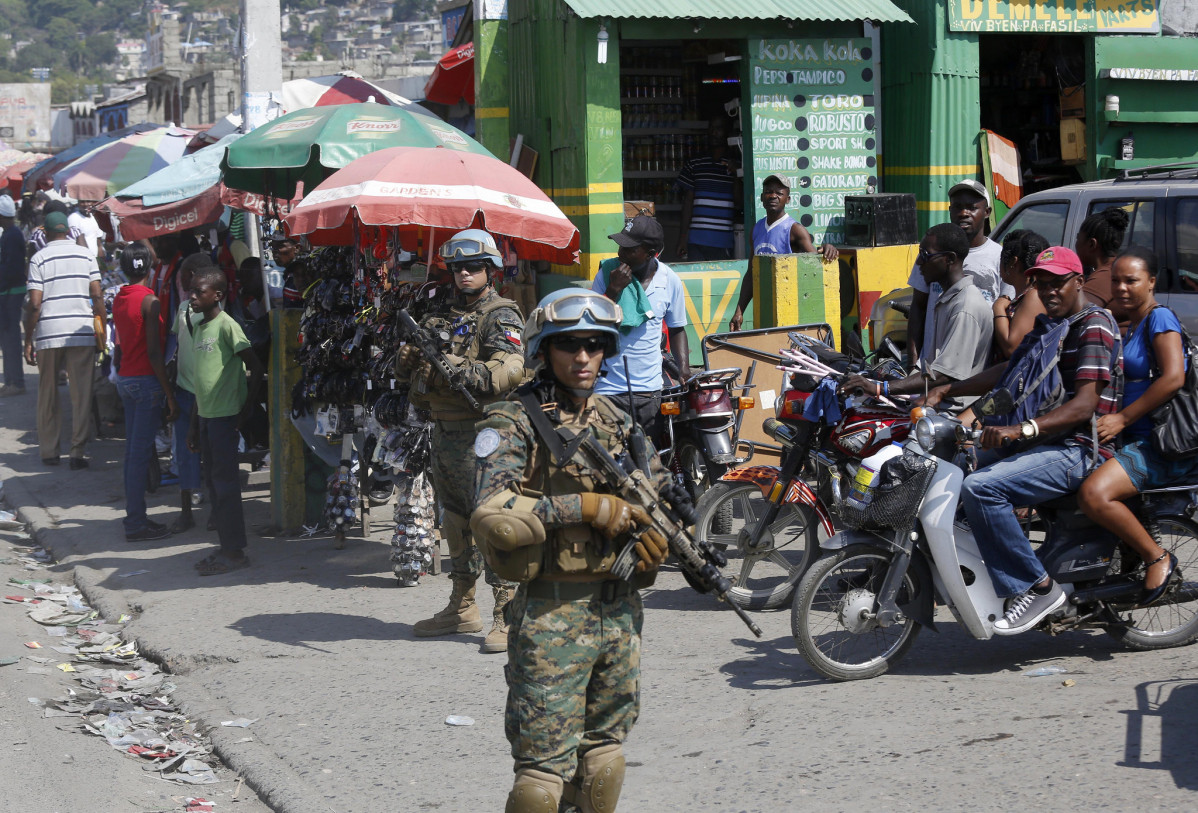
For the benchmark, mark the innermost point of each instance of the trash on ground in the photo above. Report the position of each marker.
(8, 661)
(240, 722)
(1044, 671)
(456, 719)
(131, 573)
(1068, 683)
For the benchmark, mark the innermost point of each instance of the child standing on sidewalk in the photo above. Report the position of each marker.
(220, 356)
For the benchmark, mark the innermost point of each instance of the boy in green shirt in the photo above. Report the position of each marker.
(218, 359)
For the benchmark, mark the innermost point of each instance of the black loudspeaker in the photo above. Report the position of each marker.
(879, 220)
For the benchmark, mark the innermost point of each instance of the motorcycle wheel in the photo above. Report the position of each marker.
(829, 622)
(1172, 621)
(765, 578)
(699, 474)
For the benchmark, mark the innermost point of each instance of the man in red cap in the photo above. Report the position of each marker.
(1054, 451)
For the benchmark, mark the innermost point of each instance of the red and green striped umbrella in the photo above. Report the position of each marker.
(117, 164)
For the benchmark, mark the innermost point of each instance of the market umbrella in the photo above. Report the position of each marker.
(185, 178)
(346, 87)
(309, 145)
(412, 190)
(39, 176)
(114, 166)
(13, 175)
(453, 78)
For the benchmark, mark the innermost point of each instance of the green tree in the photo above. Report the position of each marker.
(101, 49)
(62, 35)
(38, 55)
(14, 14)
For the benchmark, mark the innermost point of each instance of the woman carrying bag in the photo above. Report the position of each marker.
(1154, 363)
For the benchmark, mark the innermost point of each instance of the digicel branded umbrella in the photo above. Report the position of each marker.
(412, 190)
(453, 78)
(309, 145)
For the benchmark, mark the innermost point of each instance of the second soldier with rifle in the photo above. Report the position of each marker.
(461, 358)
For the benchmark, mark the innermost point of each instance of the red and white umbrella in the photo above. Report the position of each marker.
(414, 189)
(453, 78)
(346, 87)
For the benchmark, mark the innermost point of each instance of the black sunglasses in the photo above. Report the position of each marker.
(924, 255)
(572, 344)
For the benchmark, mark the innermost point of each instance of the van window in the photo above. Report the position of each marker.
(1140, 220)
(1185, 223)
(1047, 219)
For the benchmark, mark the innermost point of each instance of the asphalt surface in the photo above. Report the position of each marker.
(317, 645)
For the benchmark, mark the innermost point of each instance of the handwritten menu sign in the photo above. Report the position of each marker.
(813, 124)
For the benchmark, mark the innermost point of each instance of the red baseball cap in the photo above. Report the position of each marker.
(1057, 260)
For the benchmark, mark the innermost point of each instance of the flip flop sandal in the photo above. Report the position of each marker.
(207, 560)
(221, 564)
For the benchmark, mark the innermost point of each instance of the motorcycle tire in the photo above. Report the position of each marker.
(698, 474)
(1172, 621)
(765, 578)
(829, 618)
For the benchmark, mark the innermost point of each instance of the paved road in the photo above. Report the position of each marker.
(318, 644)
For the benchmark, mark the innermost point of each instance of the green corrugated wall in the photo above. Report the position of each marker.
(931, 111)
(567, 106)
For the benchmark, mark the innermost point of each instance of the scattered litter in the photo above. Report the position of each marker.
(1044, 671)
(193, 772)
(240, 722)
(124, 618)
(456, 719)
(199, 806)
(66, 667)
(132, 573)
(1068, 683)
(33, 645)
(9, 521)
(8, 661)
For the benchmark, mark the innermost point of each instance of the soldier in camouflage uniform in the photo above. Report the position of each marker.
(544, 519)
(481, 334)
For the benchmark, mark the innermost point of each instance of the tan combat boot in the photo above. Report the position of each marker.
(460, 615)
(496, 640)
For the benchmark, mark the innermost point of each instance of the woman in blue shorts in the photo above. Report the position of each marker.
(1154, 370)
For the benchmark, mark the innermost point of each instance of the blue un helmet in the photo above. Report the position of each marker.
(471, 244)
(572, 310)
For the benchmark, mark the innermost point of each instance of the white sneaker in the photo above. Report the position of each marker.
(1029, 609)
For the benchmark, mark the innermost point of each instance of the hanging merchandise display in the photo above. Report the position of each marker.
(348, 342)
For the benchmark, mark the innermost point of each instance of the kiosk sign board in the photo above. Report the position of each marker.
(813, 123)
(25, 115)
(1054, 16)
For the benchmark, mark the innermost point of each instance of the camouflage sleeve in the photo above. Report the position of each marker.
(504, 467)
(500, 364)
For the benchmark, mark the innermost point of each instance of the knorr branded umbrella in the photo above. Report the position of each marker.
(307, 146)
(413, 190)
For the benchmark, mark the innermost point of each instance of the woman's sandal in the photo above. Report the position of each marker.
(1151, 596)
(219, 563)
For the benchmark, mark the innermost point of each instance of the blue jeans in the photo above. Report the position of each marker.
(142, 397)
(990, 494)
(218, 454)
(10, 339)
(187, 462)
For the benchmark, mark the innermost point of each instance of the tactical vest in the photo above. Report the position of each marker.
(462, 331)
(579, 550)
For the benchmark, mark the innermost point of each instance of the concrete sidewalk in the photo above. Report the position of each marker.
(317, 645)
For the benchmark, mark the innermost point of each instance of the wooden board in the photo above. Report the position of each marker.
(741, 349)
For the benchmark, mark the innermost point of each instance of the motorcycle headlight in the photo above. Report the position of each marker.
(925, 434)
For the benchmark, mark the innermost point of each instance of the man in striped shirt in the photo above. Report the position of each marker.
(710, 202)
(1091, 370)
(60, 334)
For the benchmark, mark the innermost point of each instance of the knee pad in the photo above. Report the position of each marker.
(602, 777)
(534, 792)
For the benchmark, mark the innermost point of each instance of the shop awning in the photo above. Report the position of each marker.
(881, 10)
(453, 78)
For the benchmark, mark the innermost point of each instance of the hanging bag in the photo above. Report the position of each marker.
(1175, 433)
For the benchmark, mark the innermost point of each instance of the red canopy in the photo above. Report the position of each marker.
(139, 221)
(453, 78)
(413, 189)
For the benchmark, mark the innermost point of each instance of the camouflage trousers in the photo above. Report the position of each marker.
(452, 470)
(573, 677)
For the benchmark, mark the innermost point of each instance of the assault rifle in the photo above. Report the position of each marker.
(670, 514)
(431, 348)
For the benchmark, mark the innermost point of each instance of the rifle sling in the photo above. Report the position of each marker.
(549, 435)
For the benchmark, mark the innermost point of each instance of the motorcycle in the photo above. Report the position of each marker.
(858, 609)
(771, 514)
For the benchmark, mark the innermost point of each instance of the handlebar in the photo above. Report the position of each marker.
(902, 307)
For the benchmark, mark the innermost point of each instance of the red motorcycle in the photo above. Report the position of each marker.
(772, 516)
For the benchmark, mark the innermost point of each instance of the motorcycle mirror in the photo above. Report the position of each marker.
(997, 402)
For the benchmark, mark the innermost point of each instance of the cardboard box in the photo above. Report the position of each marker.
(1073, 102)
(632, 208)
(1073, 141)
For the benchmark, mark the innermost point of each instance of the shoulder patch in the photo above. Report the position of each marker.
(486, 443)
